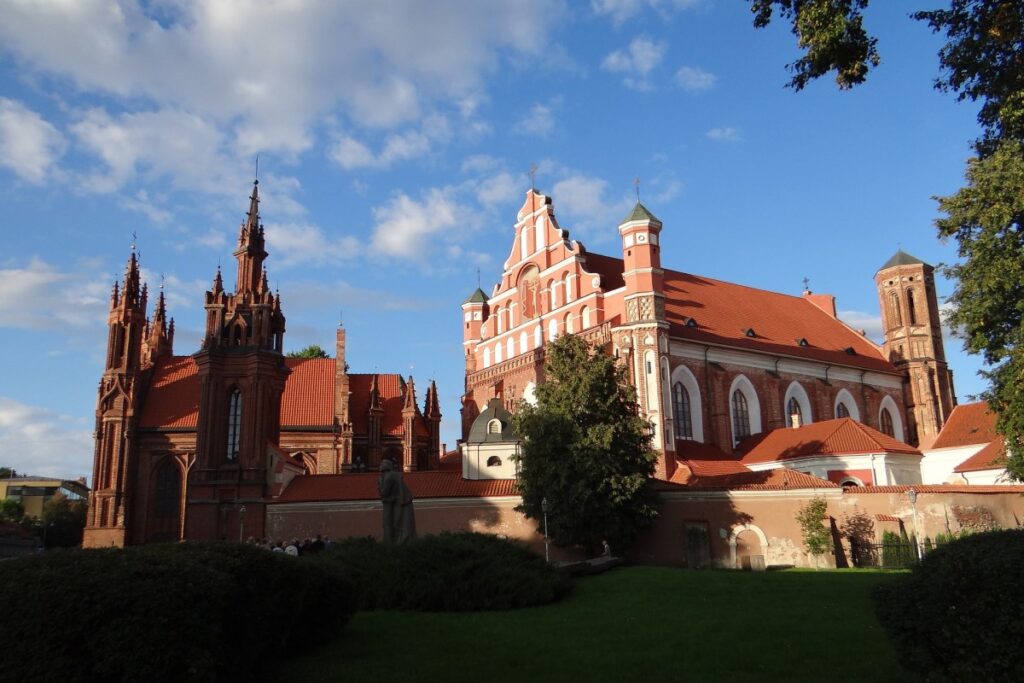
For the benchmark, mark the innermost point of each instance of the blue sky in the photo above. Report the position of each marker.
(395, 140)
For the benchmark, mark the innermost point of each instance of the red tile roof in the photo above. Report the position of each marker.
(308, 399)
(779, 479)
(886, 518)
(434, 484)
(934, 488)
(968, 424)
(992, 456)
(843, 436)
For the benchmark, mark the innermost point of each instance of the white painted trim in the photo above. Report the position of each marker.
(746, 387)
(684, 376)
(797, 391)
(844, 397)
(897, 417)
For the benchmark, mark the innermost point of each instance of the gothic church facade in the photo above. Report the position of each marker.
(196, 446)
(714, 363)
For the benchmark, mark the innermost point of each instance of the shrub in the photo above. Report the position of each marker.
(959, 615)
(897, 550)
(200, 612)
(449, 572)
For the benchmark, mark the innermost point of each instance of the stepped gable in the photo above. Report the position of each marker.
(969, 424)
(173, 398)
(724, 311)
(425, 484)
(843, 436)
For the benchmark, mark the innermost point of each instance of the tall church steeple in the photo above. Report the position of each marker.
(251, 251)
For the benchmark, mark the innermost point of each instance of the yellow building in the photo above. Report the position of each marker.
(35, 492)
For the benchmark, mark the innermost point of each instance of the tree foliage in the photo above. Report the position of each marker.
(64, 521)
(832, 35)
(811, 518)
(11, 510)
(586, 450)
(982, 61)
(311, 351)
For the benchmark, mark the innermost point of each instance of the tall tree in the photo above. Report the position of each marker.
(586, 450)
(311, 351)
(982, 61)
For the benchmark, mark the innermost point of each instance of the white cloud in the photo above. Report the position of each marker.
(585, 201)
(144, 204)
(404, 225)
(724, 134)
(621, 10)
(27, 297)
(499, 189)
(859, 320)
(29, 145)
(350, 153)
(636, 62)
(40, 442)
(695, 79)
(539, 121)
(304, 243)
(268, 71)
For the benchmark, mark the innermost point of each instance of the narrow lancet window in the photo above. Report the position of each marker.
(234, 424)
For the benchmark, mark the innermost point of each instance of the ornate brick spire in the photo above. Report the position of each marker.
(251, 249)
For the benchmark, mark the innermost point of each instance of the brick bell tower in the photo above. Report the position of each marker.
(913, 342)
(242, 374)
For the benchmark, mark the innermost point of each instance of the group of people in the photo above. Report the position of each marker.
(309, 546)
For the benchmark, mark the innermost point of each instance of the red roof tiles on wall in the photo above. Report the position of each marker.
(992, 456)
(780, 479)
(843, 436)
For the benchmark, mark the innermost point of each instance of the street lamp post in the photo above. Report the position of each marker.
(912, 495)
(544, 509)
(241, 524)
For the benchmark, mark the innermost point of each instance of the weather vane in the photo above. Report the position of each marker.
(533, 177)
(257, 181)
(134, 238)
(807, 284)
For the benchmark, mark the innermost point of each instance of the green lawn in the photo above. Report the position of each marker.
(639, 623)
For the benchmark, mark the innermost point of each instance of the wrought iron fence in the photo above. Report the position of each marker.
(890, 555)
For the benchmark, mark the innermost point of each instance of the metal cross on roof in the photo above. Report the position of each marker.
(533, 177)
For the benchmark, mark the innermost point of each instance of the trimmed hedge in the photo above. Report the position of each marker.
(959, 615)
(196, 612)
(448, 572)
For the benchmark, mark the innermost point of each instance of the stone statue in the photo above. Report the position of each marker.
(396, 499)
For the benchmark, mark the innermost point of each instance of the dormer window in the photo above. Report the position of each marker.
(802, 341)
(750, 332)
(494, 427)
(850, 351)
(691, 322)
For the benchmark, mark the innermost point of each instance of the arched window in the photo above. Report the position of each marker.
(554, 286)
(911, 312)
(585, 318)
(552, 330)
(568, 323)
(499, 316)
(568, 287)
(885, 422)
(234, 425)
(494, 427)
(842, 410)
(494, 461)
(740, 417)
(497, 353)
(487, 358)
(167, 494)
(510, 348)
(524, 342)
(845, 406)
(796, 416)
(681, 411)
(894, 309)
(538, 337)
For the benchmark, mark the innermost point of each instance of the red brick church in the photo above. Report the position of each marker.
(713, 362)
(195, 446)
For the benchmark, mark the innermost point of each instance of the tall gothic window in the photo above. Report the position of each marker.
(794, 409)
(740, 417)
(886, 421)
(167, 496)
(234, 424)
(842, 410)
(910, 307)
(681, 411)
(894, 308)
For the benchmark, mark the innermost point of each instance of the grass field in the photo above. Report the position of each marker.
(632, 624)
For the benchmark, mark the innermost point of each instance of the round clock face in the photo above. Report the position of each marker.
(595, 282)
(641, 237)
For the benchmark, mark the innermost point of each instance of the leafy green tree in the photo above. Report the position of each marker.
(63, 522)
(982, 61)
(586, 450)
(6, 473)
(811, 518)
(311, 351)
(11, 510)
